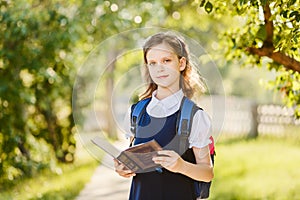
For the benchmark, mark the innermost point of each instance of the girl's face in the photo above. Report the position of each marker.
(164, 66)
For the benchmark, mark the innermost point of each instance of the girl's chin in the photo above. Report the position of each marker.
(166, 86)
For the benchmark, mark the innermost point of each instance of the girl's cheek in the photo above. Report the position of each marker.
(152, 73)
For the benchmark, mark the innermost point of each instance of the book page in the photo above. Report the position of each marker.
(106, 146)
(137, 158)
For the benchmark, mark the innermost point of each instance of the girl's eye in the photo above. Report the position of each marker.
(167, 60)
(151, 64)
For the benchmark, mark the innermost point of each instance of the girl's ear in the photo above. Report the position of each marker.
(182, 63)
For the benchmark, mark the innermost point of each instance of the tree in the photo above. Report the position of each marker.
(267, 34)
(43, 43)
(35, 87)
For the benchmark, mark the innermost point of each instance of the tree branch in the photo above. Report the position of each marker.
(279, 57)
(269, 27)
(268, 47)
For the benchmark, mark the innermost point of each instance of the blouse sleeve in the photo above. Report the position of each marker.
(201, 130)
(126, 124)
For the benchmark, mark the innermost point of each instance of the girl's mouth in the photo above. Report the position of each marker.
(162, 76)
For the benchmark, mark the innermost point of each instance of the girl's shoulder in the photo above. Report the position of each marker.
(140, 105)
(201, 116)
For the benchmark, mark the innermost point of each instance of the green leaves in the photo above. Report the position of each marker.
(296, 15)
(262, 28)
(261, 33)
(291, 2)
(291, 14)
(34, 77)
(288, 83)
(202, 3)
(208, 7)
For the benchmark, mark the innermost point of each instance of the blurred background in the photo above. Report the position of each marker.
(44, 44)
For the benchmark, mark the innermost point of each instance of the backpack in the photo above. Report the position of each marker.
(183, 126)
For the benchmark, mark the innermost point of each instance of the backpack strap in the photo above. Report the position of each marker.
(183, 126)
(137, 111)
(184, 123)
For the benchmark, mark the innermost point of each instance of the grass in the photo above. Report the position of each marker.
(65, 184)
(263, 168)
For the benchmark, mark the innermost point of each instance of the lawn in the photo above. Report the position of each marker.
(263, 168)
(63, 184)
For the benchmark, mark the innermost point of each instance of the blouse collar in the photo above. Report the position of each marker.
(166, 106)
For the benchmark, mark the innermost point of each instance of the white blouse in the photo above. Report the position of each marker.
(201, 126)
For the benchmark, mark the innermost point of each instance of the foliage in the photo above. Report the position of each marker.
(35, 86)
(266, 33)
(41, 44)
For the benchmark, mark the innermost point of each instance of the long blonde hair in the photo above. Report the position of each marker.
(180, 49)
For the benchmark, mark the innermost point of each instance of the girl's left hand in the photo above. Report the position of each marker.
(169, 160)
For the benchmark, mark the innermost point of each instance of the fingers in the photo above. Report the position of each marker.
(126, 174)
(170, 160)
(164, 162)
(166, 158)
(122, 170)
(168, 153)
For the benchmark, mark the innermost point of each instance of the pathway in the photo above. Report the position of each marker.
(106, 184)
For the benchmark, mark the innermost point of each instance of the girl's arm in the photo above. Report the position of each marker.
(202, 171)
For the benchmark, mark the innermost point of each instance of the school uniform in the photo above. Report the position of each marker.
(159, 123)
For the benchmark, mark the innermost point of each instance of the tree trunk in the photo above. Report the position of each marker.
(253, 133)
(109, 72)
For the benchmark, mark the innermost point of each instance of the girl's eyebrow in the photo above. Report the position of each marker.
(151, 60)
(163, 58)
(166, 58)
(169, 57)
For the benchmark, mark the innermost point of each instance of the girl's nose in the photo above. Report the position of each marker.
(160, 68)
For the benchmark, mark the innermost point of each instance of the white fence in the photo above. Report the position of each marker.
(230, 115)
(275, 118)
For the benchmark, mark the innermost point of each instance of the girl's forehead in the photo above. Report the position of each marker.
(160, 49)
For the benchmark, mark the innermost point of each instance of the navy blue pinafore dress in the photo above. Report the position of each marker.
(162, 185)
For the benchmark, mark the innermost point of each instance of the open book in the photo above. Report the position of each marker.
(137, 158)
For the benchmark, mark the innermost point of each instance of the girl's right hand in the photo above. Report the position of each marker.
(122, 170)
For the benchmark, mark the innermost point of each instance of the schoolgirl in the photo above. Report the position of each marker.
(169, 72)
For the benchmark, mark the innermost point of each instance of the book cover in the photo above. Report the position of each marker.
(137, 158)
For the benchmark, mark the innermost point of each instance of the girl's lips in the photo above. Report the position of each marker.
(163, 76)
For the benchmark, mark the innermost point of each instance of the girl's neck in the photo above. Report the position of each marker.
(165, 92)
